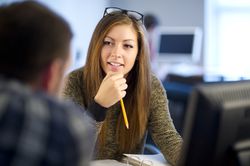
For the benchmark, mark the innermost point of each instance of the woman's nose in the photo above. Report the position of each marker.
(116, 51)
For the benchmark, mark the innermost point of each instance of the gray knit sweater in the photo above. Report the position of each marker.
(160, 124)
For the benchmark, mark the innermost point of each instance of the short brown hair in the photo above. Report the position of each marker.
(31, 37)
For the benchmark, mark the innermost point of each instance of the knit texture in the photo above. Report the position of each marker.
(160, 124)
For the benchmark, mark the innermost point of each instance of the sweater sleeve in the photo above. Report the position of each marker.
(73, 90)
(161, 126)
(97, 111)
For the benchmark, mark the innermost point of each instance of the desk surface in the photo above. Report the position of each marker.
(107, 163)
(157, 160)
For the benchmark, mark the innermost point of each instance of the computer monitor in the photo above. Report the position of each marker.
(178, 44)
(217, 125)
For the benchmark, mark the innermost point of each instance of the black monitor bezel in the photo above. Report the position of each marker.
(215, 110)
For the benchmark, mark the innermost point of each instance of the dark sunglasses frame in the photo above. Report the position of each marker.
(124, 11)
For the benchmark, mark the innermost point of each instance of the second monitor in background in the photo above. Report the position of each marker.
(178, 44)
(178, 50)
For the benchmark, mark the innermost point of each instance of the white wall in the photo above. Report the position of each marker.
(170, 12)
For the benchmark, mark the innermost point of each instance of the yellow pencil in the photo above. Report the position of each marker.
(124, 114)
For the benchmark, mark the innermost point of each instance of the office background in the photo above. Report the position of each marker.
(83, 16)
(225, 25)
(225, 45)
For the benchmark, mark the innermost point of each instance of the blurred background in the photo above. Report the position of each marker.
(225, 44)
(225, 25)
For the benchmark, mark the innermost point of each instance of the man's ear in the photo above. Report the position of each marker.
(52, 77)
(45, 78)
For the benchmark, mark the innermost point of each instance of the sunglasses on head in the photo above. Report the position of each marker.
(130, 13)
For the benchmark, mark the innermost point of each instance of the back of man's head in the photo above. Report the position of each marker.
(36, 129)
(31, 38)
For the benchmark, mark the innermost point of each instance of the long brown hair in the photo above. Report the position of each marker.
(138, 79)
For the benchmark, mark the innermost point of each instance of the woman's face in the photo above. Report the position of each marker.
(120, 48)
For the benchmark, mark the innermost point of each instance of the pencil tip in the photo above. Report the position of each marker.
(127, 126)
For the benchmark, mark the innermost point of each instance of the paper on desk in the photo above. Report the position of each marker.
(106, 163)
(156, 159)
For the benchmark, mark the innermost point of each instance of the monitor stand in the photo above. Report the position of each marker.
(242, 152)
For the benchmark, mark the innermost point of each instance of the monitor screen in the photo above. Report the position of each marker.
(217, 125)
(178, 44)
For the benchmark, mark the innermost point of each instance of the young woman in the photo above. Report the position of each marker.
(117, 67)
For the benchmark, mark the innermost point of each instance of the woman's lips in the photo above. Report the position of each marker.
(114, 66)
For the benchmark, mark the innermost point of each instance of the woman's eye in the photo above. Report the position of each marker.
(128, 46)
(107, 43)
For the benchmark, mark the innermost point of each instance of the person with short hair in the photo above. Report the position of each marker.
(151, 23)
(36, 129)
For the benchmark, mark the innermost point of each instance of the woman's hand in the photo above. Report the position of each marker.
(111, 90)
